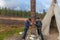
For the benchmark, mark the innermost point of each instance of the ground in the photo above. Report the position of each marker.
(53, 35)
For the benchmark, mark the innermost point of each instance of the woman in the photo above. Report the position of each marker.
(27, 24)
(39, 27)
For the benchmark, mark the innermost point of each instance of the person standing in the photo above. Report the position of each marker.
(39, 27)
(27, 24)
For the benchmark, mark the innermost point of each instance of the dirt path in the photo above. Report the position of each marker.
(13, 18)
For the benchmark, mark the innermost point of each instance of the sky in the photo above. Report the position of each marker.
(25, 4)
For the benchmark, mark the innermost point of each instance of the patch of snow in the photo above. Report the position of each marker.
(20, 33)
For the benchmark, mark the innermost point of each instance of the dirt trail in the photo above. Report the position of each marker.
(13, 18)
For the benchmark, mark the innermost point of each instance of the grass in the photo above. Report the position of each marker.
(10, 31)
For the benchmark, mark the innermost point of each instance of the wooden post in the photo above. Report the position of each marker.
(33, 14)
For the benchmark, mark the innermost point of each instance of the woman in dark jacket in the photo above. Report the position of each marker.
(27, 24)
(39, 27)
